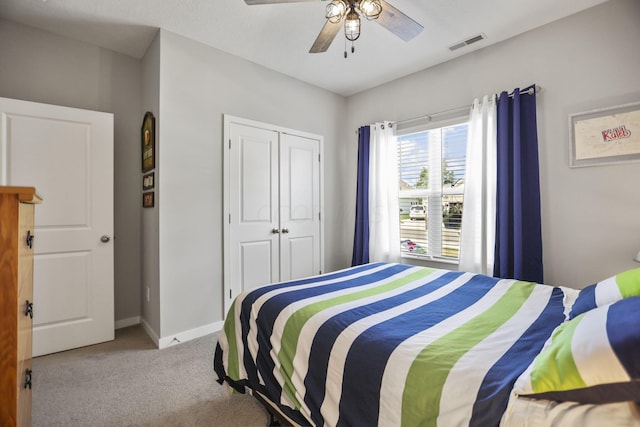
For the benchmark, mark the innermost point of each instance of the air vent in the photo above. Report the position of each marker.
(467, 42)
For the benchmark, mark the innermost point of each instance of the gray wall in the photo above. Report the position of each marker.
(198, 84)
(590, 216)
(149, 220)
(42, 67)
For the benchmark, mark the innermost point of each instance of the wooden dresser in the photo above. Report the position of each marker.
(16, 303)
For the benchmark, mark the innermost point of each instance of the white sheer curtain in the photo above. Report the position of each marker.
(477, 239)
(384, 210)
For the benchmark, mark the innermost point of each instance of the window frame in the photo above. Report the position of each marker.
(426, 124)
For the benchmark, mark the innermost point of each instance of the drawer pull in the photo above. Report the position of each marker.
(27, 378)
(30, 238)
(28, 309)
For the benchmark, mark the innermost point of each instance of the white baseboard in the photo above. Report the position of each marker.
(150, 332)
(190, 334)
(123, 323)
(181, 337)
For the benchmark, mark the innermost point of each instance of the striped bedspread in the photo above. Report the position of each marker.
(387, 345)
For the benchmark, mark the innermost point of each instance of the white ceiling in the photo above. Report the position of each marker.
(279, 36)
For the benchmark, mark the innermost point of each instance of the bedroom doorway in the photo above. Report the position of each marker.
(67, 155)
(273, 204)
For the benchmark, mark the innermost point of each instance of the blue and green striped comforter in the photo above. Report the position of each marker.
(387, 345)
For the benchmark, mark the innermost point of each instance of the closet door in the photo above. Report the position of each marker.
(272, 205)
(253, 253)
(299, 207)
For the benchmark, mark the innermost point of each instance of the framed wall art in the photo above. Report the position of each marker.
(148, 136)
(148, 181)
(148, 200)
(605, 136)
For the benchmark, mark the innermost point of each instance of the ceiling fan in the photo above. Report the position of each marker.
(349, 13)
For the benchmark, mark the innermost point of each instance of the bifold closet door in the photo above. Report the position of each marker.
(272, 186)
(299, 207)
(254, 228)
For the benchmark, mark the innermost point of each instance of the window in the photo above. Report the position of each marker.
(431, 168)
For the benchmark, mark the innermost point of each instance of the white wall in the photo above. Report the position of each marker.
(198, 84)
(590, 216)
(42, 67)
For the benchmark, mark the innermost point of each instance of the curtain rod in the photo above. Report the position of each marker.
(529, 91)
(429, 116)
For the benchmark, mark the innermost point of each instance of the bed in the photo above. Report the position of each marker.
(393, 344)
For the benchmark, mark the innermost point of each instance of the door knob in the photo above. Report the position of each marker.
(285, 230)
(275, 231)
(105, 239)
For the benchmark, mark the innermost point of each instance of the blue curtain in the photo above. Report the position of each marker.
(518, 250)
(361, 235)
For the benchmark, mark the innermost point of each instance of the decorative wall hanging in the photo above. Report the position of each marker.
(605, 136)
(148, 200)
(148, 181)
(148, 142)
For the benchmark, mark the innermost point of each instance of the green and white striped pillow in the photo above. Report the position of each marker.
(608, 291)
(594, 358)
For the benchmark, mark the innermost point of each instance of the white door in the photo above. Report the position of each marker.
(253, 216)
(299, 207)
(67, 154)
(272, 204)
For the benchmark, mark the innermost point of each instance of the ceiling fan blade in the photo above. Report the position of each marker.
(252, 2)
(326, 36)
(398, 23)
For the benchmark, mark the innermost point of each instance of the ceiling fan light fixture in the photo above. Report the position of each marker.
(352, 26)
(336, 10)
(370, 9)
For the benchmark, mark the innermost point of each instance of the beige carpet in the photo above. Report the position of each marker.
(128, 382)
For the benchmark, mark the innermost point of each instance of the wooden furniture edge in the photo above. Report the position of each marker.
(25, 194)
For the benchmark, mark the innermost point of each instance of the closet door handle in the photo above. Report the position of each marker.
(275, 231)
(285, 230)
